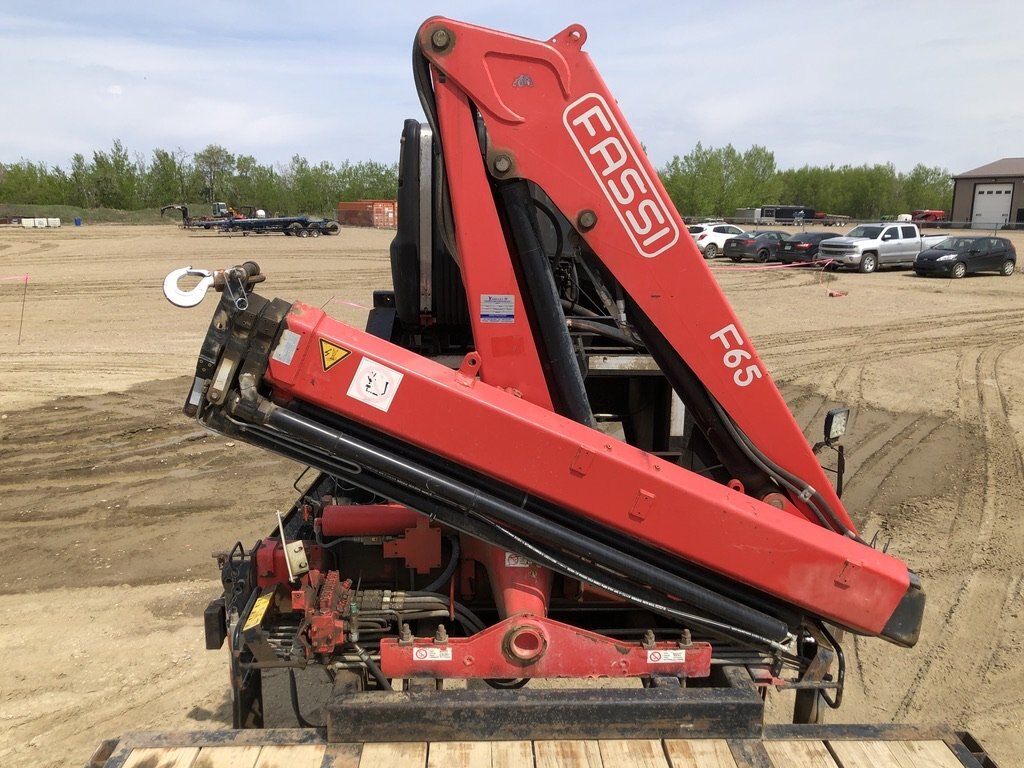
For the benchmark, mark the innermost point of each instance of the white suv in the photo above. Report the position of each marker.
(711, 236)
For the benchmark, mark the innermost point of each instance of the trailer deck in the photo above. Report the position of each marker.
(832, 746)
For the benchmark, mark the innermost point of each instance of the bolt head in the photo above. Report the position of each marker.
(502, 164)
(440, 38)
(587, 220)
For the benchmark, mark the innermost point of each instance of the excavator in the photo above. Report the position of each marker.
(552, 490)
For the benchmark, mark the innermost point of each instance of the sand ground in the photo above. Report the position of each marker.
(111, 501)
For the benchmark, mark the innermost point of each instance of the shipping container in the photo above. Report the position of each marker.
(382, 214)
(53, 222)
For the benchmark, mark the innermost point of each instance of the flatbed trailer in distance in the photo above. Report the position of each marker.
(299, 226)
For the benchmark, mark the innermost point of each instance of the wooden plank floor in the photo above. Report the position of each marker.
(135, 751)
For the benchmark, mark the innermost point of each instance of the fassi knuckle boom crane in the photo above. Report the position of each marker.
(554, 453)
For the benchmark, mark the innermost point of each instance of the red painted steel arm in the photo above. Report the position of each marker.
(551, 119)
(455, 416)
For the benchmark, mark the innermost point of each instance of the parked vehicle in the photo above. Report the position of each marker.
(958, 256)
(802, 247)
(928, 218)
(775, 214)
(711, 237)
(868, 247)
(759, 246)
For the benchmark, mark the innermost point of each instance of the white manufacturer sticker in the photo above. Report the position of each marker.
(667, 656)
(286, 346)
(432, 654)
(375, 384)
(497, 308)
(512, 560)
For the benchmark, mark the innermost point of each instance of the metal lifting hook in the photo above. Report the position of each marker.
(190, 298)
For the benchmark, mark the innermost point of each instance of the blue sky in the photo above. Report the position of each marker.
(818, 83)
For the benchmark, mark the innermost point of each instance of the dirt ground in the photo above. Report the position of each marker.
(111, 501)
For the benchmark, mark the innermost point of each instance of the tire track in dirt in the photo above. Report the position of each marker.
(758, 279)
(886, 464)
(896, 341)
(974, 627)
(885, 448)
(126, 501)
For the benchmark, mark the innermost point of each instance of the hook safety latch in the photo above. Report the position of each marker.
(193, 296)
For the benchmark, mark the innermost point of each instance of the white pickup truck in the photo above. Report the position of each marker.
(868, 247)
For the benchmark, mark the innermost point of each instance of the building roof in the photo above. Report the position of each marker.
(1008, 166)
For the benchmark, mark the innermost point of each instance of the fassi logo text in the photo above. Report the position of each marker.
(620, 174)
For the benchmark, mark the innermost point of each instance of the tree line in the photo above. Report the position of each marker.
(120, 180)
(715, 182)
(706, 182)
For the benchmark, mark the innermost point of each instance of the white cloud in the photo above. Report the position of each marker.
(815, 86)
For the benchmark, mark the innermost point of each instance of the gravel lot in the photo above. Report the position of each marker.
(112, 501)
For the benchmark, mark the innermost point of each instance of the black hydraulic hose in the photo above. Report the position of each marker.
(555, 225)
(460, 609)
(837, 701)
(600, 329)
(493, 534)
(293, 690)
(737, 452)
(399, 491)
(575, 309)
(453, 563)
(722, 585)
(699, 404)
(372, 667)
(739, 592)
(544, 306)
(477, 500)
(799, 488)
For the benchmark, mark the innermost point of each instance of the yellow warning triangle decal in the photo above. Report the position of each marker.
(331, 354)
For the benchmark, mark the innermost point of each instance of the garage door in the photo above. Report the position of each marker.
(991, 205)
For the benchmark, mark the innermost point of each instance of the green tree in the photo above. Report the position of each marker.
(80, 181)
(925, 188)
(215, 166)
(715, 182)
(165, 180)
(115, 178)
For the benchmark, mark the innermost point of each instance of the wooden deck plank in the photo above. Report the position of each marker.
(291, 756)
(895, 754)
(300, 751)
(162, 757)
(567, 754)
(397, 754)
(467, 754)
(806, 754)
(864, 754)
(642, 753)
(699, 753)
(342, 755)
(511, 754)
(931, 753)
(227, 757)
